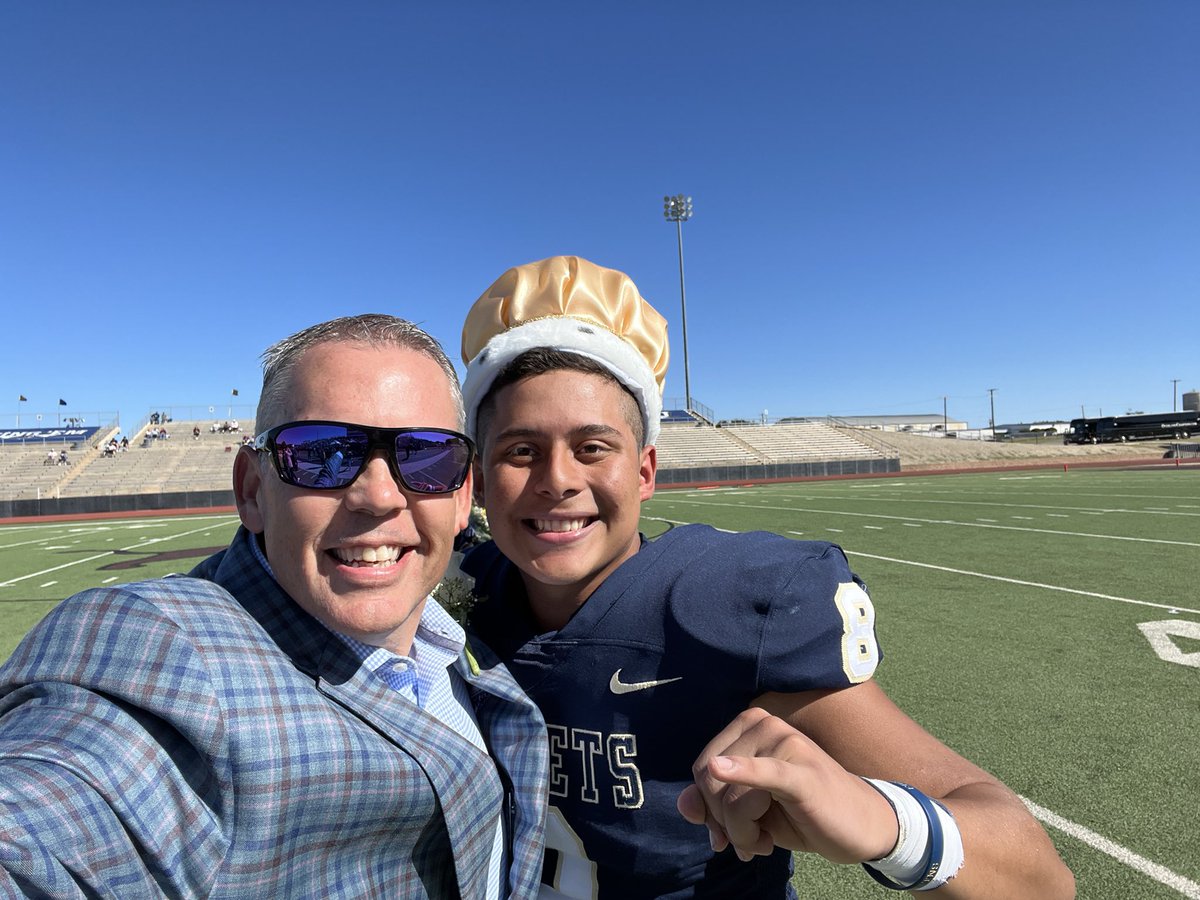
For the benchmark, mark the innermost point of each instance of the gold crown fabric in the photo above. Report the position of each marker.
(574, 287)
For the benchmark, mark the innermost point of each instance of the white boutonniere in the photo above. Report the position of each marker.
(456, 591)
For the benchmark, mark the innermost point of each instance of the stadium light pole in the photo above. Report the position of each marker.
(678, 209)
(992, 400)
(1174, 395)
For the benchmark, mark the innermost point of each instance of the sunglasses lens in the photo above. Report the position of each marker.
(431, 462)
(320, 456)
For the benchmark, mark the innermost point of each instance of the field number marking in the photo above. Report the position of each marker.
(1159, 635)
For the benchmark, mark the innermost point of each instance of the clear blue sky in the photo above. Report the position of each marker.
(894, 201)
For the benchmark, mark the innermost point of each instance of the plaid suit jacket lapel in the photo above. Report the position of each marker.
(466, 784)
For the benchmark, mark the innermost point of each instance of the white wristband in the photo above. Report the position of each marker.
(929, 850)
(906, 862)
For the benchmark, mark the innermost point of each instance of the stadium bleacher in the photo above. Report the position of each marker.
(183, 463)
(179, 463)
(689, 446)
(802, 441)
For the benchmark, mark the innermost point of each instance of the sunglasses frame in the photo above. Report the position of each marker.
(377, 439)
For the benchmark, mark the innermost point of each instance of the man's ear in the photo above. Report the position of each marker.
(646, 473)
(477, 476)
(247, 489)
(463, 498)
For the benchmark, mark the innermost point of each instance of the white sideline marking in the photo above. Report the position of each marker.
(1159, 873)
(144, 542)
(1037, 584)
(1127, 857)
(48, 584)
(1083, 534)
(109, 579)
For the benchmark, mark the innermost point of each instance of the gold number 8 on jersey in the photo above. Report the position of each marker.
(860, 651)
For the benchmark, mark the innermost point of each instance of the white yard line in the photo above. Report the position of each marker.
(1049, 587)
(1123, 855)
(1161, 874)
(137, 546)
(907, 519)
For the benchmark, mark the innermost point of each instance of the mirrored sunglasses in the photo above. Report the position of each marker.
(326, 456)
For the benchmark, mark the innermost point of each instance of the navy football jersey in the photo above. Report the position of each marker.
(681, 638)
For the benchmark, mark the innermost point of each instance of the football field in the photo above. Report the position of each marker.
(1045, 624)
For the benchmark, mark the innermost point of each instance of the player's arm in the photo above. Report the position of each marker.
(791, 779)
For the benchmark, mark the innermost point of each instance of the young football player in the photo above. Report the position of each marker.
(727, 677)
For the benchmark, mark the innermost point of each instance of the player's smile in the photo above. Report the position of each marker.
(567, 528)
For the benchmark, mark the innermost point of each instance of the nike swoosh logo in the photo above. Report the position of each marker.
(617, 686)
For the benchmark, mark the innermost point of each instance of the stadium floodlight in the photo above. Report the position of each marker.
(678, 209)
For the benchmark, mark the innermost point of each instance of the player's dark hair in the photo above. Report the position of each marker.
(541, 360)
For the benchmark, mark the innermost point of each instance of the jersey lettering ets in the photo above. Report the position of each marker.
(681, 638)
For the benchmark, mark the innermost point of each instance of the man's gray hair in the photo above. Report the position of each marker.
(372, 329)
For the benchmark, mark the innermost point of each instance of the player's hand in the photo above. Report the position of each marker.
(761, 784)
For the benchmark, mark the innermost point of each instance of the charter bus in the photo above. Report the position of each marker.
(1104, 429)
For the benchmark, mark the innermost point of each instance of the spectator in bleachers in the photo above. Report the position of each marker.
(195, 432)
(62, 457)
(51, 458)
(124, 443)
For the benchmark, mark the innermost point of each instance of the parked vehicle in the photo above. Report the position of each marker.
(1106, 429)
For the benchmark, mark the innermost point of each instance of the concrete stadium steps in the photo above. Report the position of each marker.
(24, 473)
(690, 446)
(682, 446)
(179, 463)
(798, 441)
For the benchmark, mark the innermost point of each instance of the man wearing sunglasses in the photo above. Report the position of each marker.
(296, 718)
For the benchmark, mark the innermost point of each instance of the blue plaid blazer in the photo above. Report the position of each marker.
(204, 737)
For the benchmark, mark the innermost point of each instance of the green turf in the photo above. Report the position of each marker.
(41, 563)
(1056, 691)
(1008, 610)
